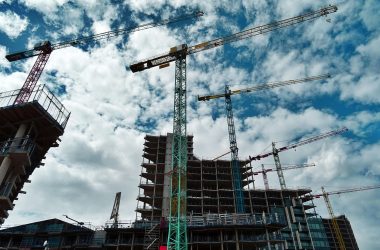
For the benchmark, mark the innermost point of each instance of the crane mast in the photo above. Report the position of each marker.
(177, 236)
(338, 234)
(236, 174)
(276, 157)
(44, 49)
(278, 166)
(236, 169)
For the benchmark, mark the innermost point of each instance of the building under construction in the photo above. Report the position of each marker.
(210, 204)
(346, 231)
(27, 130)
(274, 219)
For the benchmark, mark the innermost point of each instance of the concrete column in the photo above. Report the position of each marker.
(167, 177)
(7, 161)
(237, 240)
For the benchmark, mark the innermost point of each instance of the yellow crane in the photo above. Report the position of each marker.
(326, 195)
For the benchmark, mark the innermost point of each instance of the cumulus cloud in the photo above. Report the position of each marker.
(12, 24)
(3, 53)
(43, 6)
(112, 109)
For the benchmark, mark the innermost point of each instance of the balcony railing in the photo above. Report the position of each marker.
(45, 98)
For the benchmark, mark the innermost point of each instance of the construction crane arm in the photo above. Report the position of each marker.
(105, 35)
(164, 59)
(264, 87)
(79, 222)
(285, 167)
(348, 190)
(300, 143)
(313, 139)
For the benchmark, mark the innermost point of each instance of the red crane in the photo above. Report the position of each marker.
(43, 50)
(275, 151)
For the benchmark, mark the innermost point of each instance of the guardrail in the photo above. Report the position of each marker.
(44, 97)
(209, 220)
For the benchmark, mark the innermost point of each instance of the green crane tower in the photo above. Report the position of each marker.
(177, 236)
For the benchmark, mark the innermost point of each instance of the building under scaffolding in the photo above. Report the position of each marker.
(274, 219)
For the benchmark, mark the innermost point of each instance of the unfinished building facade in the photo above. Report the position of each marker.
(346, 231)
(273, 219)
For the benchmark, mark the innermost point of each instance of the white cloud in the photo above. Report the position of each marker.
(101, 149)
(3, 62)
(371, 51)
(12, 24)
(365, 90)
(369, 14)
(45, 7)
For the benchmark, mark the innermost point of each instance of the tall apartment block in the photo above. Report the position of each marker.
(27, 131)
(274, 219)
(346, 231)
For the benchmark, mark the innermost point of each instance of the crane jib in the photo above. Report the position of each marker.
(41, 47)
(139, 66)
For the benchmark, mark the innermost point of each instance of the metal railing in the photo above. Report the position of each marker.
(235, 219)
(210, 220)
(45, 98)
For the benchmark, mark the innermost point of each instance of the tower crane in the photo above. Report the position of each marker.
(264, 171)
(115, 210)
(177, 235)
(43, 50)
(275, 151)
(326, 195)
(236, 169)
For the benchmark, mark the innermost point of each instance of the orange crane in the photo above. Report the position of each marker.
(264, 171)
(326, 195)
(43, 50)
(275, 151)
(177, 236)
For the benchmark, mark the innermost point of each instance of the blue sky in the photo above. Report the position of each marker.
(112, 109)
